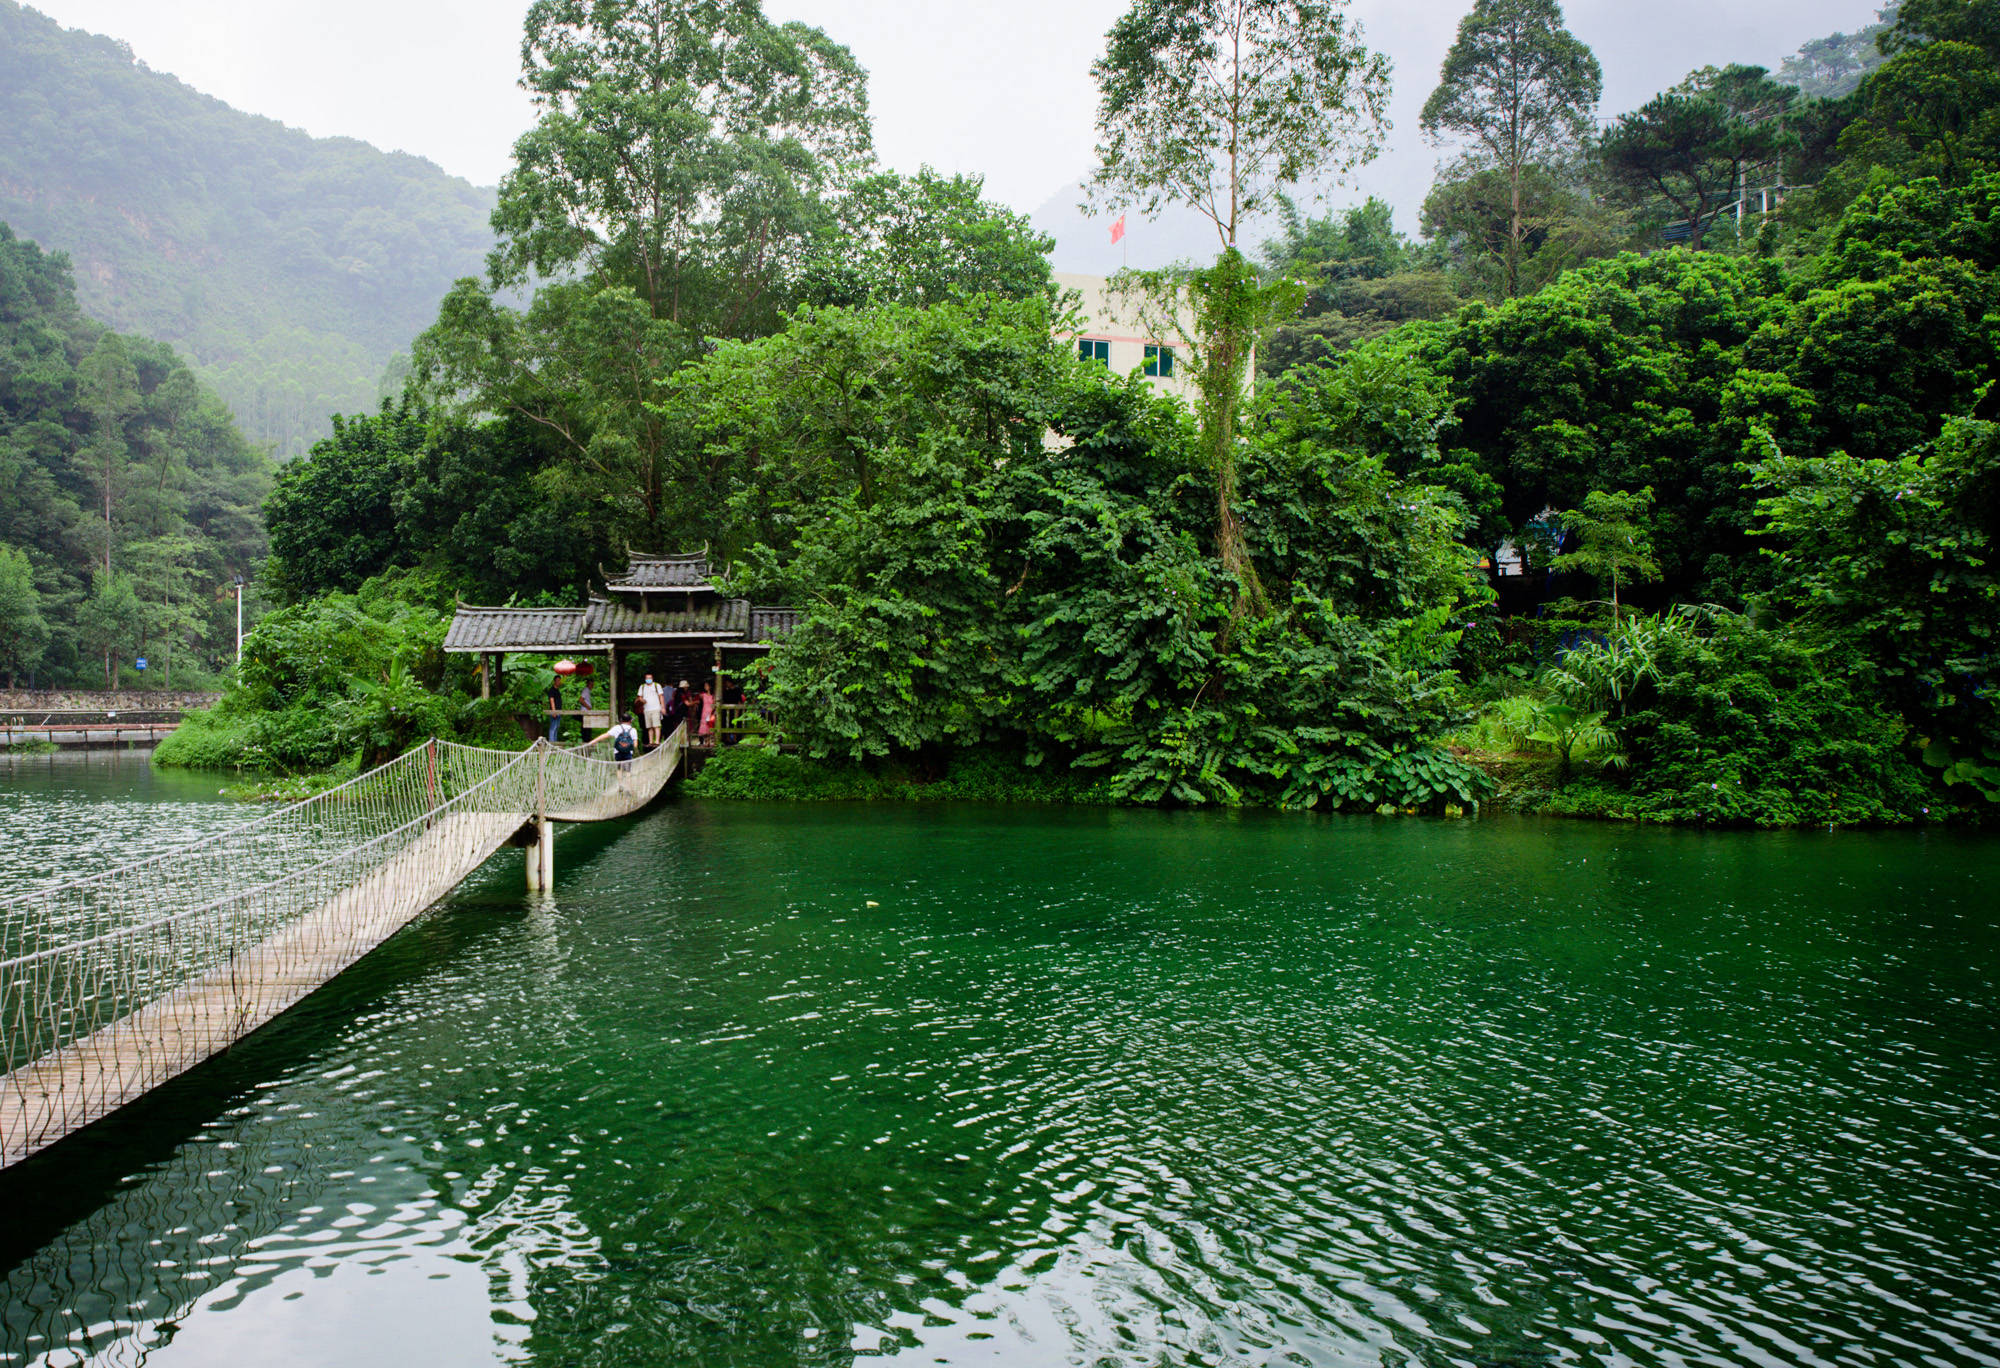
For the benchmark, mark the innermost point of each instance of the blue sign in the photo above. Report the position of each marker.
(140, 662)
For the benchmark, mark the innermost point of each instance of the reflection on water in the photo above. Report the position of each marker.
(71, 814)
(1094, 1088)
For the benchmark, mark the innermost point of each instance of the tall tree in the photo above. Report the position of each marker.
(110, 620)
(681, 174)
(1220, 105)
(111, 389)
(1520, 90)
(682, 148)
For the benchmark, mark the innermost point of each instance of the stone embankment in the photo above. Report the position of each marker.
(103, 700)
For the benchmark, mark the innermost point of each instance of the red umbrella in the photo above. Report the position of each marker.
(570, 667)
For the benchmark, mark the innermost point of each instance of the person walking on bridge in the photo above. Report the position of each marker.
(624, 740)
(653, 700)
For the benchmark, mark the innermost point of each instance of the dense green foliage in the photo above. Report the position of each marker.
(983, 588)
(1723, 723)
(347, 679)
(410, 488)
(1895, 561)
(125, 492)
(1672, 370)
(288, 269)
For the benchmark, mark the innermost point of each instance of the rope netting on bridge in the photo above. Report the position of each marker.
(111, 984)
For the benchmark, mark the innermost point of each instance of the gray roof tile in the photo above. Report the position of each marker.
(768, 626)
(712, 617)
(663, 572)
(515, 629)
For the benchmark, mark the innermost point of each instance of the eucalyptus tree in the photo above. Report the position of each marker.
(1221, 106)
(1518, 90)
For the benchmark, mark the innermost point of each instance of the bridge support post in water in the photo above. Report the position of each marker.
(541, 857)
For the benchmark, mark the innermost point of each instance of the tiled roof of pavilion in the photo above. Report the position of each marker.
(645, 573)
(554, 630)
(709, 618)
(767, 626)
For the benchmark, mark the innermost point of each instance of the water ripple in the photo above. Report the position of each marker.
(1092, 1089)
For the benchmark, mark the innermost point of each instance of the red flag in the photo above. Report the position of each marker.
(1118, 228)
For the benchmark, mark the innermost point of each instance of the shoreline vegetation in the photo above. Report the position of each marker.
(1613, 496)
(1522, 782)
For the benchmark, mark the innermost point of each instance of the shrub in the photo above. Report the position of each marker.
(1735, 725)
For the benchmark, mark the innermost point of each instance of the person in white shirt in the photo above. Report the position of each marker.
(624, 740)
(653, 701)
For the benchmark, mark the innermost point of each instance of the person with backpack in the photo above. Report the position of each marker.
(624, 741)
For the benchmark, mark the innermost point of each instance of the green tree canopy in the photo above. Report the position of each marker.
(925, 239)
(1895, 560)
(684, 151)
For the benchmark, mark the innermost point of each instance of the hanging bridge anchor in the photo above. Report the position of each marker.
(538, 838)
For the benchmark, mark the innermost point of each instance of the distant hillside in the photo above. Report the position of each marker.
(289, 269)
(1831, 67)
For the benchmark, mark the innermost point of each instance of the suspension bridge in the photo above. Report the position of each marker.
(113, 984)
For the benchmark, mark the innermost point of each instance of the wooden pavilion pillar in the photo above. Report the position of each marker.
(617, 698)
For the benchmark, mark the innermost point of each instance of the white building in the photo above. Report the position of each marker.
(1114, 333)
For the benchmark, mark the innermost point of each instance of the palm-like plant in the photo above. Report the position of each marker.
(1562, 727)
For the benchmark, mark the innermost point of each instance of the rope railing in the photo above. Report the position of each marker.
(113, 983)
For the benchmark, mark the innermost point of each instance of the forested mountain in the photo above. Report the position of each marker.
(1830, 67)
(288, 269)
(128, 499)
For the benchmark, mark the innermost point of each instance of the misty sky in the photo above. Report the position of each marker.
(999, 89)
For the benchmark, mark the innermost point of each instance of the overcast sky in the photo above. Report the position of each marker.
(1003, 90)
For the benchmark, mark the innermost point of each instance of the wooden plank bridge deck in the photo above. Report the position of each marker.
(329, 913)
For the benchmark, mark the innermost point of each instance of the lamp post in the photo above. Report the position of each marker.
(239, 620)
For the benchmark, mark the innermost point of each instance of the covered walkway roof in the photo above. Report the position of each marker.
(632, 617)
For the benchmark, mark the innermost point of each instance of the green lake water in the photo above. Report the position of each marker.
(769, 1085)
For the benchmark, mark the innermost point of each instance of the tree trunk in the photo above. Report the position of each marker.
(1222, 394)
(1513, 267)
